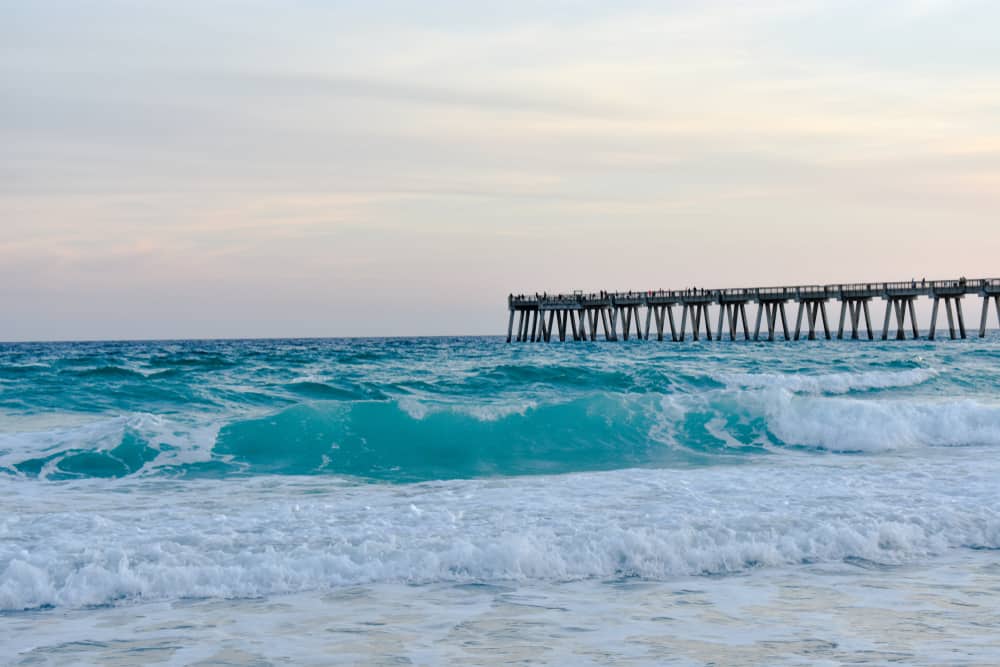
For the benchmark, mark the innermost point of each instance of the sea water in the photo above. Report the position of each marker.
(464, 501)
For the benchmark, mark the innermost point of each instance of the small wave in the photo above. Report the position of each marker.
(484, 412)
(829, 383)
(360, 357)
(210, 361)
(22, 370)
(324, 391)
(114, 447)
(555, 374)
(165, 373)
(109, 372)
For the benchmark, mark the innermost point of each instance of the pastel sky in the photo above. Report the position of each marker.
(307, 168)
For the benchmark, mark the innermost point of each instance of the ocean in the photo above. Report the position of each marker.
(462, 501)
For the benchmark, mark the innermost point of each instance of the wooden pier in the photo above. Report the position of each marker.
(579, 316)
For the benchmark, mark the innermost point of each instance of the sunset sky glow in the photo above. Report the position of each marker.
(306, 168)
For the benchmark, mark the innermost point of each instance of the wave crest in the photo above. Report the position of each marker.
(829, 383)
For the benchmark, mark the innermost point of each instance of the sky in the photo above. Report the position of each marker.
(303, 168)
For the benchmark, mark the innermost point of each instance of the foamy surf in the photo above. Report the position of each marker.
(855, 425)
(252, 538)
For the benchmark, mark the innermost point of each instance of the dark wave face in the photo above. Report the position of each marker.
(420, 409)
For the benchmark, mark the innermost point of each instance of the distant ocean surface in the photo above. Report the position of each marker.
(464, 501)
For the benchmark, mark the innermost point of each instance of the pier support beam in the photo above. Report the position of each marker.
(662, 314)
(812, 307)
(986, 312)
(958, 311)
(626, 315)
(826, 323)
(704, 317)
(732, 312)
(770, 310)
(699, 314)
(609, 332)
(948, 300)
(591, 315)
(951, 320)
(901, 305)
(854, 306)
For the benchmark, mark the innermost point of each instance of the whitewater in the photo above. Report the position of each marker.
(460, 501)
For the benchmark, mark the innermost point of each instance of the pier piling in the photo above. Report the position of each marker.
(986, 312)
(812, 306)
(732, 311)
(771, 308)
(854, 306)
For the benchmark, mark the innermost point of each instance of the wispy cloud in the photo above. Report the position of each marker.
(189, 148)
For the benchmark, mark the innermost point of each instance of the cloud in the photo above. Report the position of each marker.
(277, 145)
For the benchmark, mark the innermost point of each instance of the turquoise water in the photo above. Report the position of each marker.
(407, 410)
(159, 473)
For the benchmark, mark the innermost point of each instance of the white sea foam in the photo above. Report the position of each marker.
(301, 379)
(847, 424)
(829, 383)
(81, 545)
(481, 411)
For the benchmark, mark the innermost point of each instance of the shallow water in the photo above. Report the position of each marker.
(462, 500)
(938, 613)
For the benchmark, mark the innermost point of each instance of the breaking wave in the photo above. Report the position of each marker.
(409, 440)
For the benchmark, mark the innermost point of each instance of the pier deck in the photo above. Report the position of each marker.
(580, 316)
